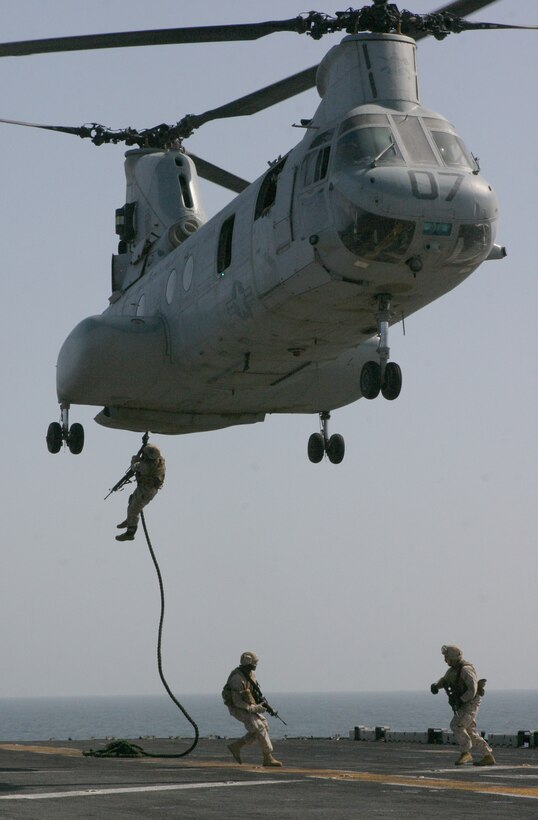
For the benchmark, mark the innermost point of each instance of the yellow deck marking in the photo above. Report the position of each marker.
(44, 750)
(414, 781)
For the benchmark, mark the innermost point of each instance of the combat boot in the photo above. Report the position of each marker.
(487, 760)
(128, 535)
(235, 749)
(465, 757)
(269, 760)
(122, 525)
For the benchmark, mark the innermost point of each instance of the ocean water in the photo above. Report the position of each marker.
(306, 715)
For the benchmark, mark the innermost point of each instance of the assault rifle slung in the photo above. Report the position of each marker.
(260, 698)
(129, 475)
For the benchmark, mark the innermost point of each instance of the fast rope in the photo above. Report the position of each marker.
(122, 748)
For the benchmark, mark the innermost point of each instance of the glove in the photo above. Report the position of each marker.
(256, 709)
(434, 689)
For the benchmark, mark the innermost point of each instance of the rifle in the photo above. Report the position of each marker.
(260, 698)
(129, 475)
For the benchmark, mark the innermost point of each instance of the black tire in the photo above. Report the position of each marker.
(370, 382)
(336, 448)
(392, 383)
(75, 438)
(316, 448)
(54, 437)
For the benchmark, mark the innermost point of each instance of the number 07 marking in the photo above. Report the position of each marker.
(424, 185)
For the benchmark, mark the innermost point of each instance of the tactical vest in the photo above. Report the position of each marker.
(227, 689)
(458, 687)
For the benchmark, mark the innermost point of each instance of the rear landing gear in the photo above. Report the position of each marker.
(384, 377)
(320, 444)
(58, 433)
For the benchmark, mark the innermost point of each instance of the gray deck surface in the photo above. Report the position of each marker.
(321, 778)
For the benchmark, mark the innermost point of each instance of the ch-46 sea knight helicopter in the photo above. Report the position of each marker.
(282, 302)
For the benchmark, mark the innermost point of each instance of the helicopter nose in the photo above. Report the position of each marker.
(432, 194)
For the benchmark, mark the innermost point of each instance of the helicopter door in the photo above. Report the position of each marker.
(312, 179)
(283, 212)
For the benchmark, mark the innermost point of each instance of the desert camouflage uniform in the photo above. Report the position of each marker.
(244, 708)
(149, 480)
(463, 724)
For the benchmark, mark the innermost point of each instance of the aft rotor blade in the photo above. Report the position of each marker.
(218, 175)
(65, 129)
(152, 37)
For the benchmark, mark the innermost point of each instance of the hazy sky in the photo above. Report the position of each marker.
(344, 577)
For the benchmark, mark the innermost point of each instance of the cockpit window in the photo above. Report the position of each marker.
(315, 164)
(364, 146)
(322, 138)
(451, 147)
(360, 120)
(371, 236)
(474, 242)
(415, 140)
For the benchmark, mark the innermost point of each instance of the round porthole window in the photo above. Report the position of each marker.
(187, 273)
(171, 286)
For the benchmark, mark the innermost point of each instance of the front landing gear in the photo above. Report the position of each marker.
(320, 444)
(382, 377)
(58, 433)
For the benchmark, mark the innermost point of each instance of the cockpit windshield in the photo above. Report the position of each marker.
(363, 146)
(451, 147)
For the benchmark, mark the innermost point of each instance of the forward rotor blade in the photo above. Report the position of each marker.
(264, 98)
(304, 80)
(218, 175)
(461, 8)
(152, 37)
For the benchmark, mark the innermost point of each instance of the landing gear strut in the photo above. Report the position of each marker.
(57, 433)
(382, 376)
(320, 443)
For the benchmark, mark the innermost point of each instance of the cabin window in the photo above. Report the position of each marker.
(171, 286)
(224, 249)
(363, 146)
(267, 193)
(187, 273)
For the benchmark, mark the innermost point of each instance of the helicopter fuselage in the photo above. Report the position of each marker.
(271, 305)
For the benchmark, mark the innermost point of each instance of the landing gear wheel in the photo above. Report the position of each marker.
(54, 437)
(392, 383)
(316, 448)
(336, 448)
(370, 381)
(75, 438)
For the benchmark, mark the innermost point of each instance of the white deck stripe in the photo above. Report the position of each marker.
(135, 789)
